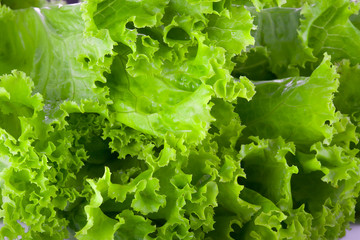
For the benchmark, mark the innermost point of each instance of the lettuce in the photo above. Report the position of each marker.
(179, 119)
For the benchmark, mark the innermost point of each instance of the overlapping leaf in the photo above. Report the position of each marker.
(64, 64)
(295, 108)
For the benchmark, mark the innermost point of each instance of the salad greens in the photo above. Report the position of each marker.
(179, 119)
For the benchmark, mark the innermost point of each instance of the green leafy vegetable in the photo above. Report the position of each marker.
(299, 109)
(179, 119)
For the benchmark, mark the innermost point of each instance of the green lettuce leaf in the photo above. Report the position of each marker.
(64, 64)
(261, 4)
(16, 4)
(252, 156)
(115, 15)
(347, 99)
(277, 45)
(326, 27)
(137, 120)
(299, 109)
(298, 4)
(231, 30)
(163, 78)
(27, 184)
(333, 174)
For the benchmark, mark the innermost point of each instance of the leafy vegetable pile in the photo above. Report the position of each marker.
(124, 119)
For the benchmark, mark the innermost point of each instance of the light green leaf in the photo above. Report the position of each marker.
(231, 29)
(133, 226)
(271, 156)
(347, 99)
(326, 28)
(277, 31)
(64, 64)
(16, 4)
(296, 108)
